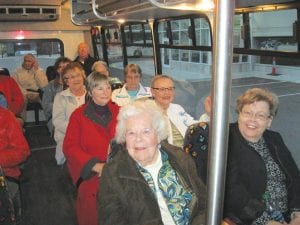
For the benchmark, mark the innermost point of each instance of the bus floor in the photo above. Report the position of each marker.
(47, 194)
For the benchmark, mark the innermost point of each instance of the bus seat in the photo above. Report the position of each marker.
(36, 107)
(51, 73)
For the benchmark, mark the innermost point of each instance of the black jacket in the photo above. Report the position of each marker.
(247, 178)
(87, 65)
(125, 197)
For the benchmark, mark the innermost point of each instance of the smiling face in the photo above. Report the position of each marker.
(101, 94)
(163, 92)
(28, 62)
(83, 50)
(132, 80)
(253, 120)
(141, 139)
(74, 79)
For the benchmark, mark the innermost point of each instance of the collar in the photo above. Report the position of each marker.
(92, 111)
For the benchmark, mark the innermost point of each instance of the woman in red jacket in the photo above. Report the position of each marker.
(13, 151)
(12, 93)
(90, 129)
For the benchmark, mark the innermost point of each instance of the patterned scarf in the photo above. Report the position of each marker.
(177, 198)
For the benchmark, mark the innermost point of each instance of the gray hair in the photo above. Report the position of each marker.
(99, 63)
(144, 107)
(94, 80)
(158, 77)
(135, 68)
(255, 95)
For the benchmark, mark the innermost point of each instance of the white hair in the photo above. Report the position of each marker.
(103, 63)
(142, 107)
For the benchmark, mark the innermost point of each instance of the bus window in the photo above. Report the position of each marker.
(113, 45)
(202, 30)
(270, 33)
(185, 50)
(45, 50)
(140, 50)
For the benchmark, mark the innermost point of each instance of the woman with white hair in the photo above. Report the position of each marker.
(148, 180)
(101, 67)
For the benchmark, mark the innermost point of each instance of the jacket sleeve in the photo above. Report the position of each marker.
(110, 208)
(17, 78)
(17, 99)
(17, 149)
(187, 118)
(199, 218)
(290, 168)
(41, 78)
(47, 101)
(77, 157)
(239, 205)
(59, 117)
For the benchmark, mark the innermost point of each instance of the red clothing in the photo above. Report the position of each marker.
(12, 93)
(87, 140)
(13, 145)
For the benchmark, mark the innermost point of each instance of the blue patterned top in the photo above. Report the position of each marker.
(177, 198)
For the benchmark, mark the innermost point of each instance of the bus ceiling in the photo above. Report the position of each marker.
(32, 2)
(30, 10)
(106, 12)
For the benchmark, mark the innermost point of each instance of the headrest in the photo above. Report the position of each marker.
(4, 71)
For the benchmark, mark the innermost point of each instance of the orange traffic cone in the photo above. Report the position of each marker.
(274, 66)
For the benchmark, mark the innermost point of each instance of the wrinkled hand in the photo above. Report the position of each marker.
(33, 97)
(272, 222)
(295, 221)
(207, 105)
(35, 65)
(227, 221)
(98, 168)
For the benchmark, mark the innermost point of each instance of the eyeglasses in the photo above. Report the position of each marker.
(257, 116)
(163, 89)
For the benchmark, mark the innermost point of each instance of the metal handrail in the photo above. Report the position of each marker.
(108, 17)
(180, 6)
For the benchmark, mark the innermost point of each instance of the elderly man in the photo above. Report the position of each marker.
(31, 79)
(163, 92)
(84, 58)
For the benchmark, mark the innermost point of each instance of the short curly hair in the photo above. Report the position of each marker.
(255, 95)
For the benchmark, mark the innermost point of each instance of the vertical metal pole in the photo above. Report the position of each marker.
(221, 86)
(155, 47)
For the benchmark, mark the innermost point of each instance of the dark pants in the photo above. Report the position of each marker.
(14, 191)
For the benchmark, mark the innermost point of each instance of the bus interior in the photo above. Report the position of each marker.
(221, 47)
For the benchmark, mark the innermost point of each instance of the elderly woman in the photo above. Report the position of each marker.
(65, 103)
(260, 165)
(147, 180)
(14, 150)
(53, 87)
(89, 132)
(132, 89)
